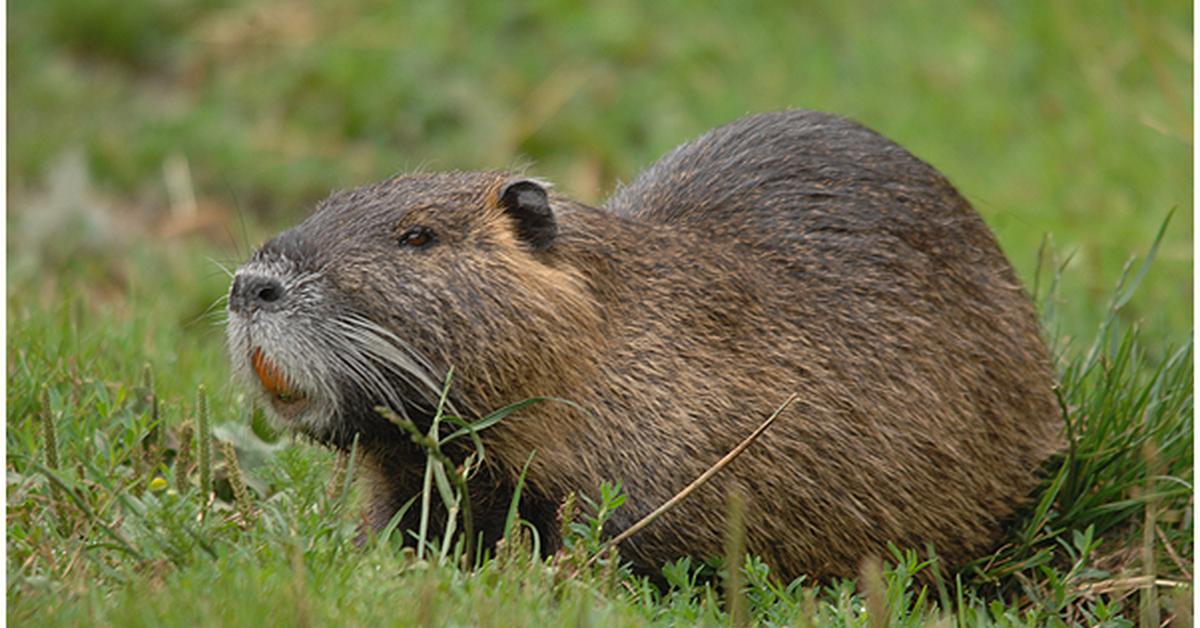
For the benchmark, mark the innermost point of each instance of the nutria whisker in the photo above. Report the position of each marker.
(366, 337)
(225, 269)
(393, 340)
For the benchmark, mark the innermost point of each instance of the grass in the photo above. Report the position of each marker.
(153, 142)
(99, 530)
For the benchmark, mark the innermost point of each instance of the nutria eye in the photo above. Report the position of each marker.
(417, 237)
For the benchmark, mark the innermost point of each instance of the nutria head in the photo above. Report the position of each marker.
(375, 297)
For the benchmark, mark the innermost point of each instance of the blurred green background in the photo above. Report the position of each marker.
(150, 142)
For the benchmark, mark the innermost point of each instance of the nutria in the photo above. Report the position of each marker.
(791, 252)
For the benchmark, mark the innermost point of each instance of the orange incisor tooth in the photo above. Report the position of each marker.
(269, 374)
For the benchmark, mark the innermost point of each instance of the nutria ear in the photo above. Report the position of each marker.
(526, 201)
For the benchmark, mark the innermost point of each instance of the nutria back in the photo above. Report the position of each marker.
(785, 253)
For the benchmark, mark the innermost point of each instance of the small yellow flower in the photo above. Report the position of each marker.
(158, 483)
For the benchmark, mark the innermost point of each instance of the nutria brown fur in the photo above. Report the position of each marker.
(791, 252)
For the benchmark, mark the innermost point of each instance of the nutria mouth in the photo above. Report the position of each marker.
(285, 398)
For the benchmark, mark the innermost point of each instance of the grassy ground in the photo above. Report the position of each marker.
(150, 141)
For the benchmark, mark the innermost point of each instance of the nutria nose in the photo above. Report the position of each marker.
(255, 292)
